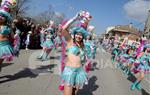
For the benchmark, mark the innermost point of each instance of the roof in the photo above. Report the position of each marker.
(132, 37)
(127, 28)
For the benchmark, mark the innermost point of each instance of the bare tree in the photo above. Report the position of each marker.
(21, 8)
(45, 16)
(58, 17)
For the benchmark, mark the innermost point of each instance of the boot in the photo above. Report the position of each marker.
(118, 65)
(138, 86)
(43, 57)
(40, 56)
(133, 86)
(126, 71)
(113, 59)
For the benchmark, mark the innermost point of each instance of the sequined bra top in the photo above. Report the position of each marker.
(77, 51)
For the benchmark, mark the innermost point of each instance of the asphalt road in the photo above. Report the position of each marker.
(28, 76)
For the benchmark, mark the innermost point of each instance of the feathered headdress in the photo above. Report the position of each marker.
(5, 8)
(85, 16)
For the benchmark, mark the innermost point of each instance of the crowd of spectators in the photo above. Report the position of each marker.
(27, 26)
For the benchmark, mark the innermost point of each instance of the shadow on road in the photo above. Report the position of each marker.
(143, 92)
(44, 69)
(94, 66)
(22, 74)
(55, 57)
(88, 89)
(6, 64)
(51, 66)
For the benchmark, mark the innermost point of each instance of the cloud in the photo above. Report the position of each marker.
(137, 9)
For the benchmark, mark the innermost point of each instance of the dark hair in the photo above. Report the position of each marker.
(144, 49)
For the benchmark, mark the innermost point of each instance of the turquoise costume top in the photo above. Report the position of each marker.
(48, 37)
(77, 51)
(5, 30)
(58, 40)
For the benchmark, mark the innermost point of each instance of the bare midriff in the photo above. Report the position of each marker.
(73, 61)
(3, 37)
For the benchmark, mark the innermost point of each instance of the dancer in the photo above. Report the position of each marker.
(48, 43)
(88, 49)
(6, 48)
(143, 67)
(17, 39)
(58, 37)
(17, 42)
(73, 75)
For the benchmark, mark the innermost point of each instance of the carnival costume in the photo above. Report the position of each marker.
(47, 42)
(75, 76)
(144, 65)
(57, 41)
(137, 63)
(6, 48)
(89, 54)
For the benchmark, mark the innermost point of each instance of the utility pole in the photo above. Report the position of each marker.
(147, 26)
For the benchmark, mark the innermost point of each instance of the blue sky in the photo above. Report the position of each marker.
(105, 13)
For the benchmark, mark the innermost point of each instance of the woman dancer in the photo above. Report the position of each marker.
(73, 75)
(143, 67)
(47, 43)
(6, 49)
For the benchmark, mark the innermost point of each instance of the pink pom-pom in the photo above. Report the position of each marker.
(61, 87)
(88, 67)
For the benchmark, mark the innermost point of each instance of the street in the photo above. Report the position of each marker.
(28, 76)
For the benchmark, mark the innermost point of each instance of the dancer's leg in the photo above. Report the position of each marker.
(68, 90)
(1, 61)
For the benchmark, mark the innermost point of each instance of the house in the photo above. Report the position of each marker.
(124, 30)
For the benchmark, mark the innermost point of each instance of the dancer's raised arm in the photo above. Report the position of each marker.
(66, 27)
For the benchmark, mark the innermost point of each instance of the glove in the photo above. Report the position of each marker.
(78, 16)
